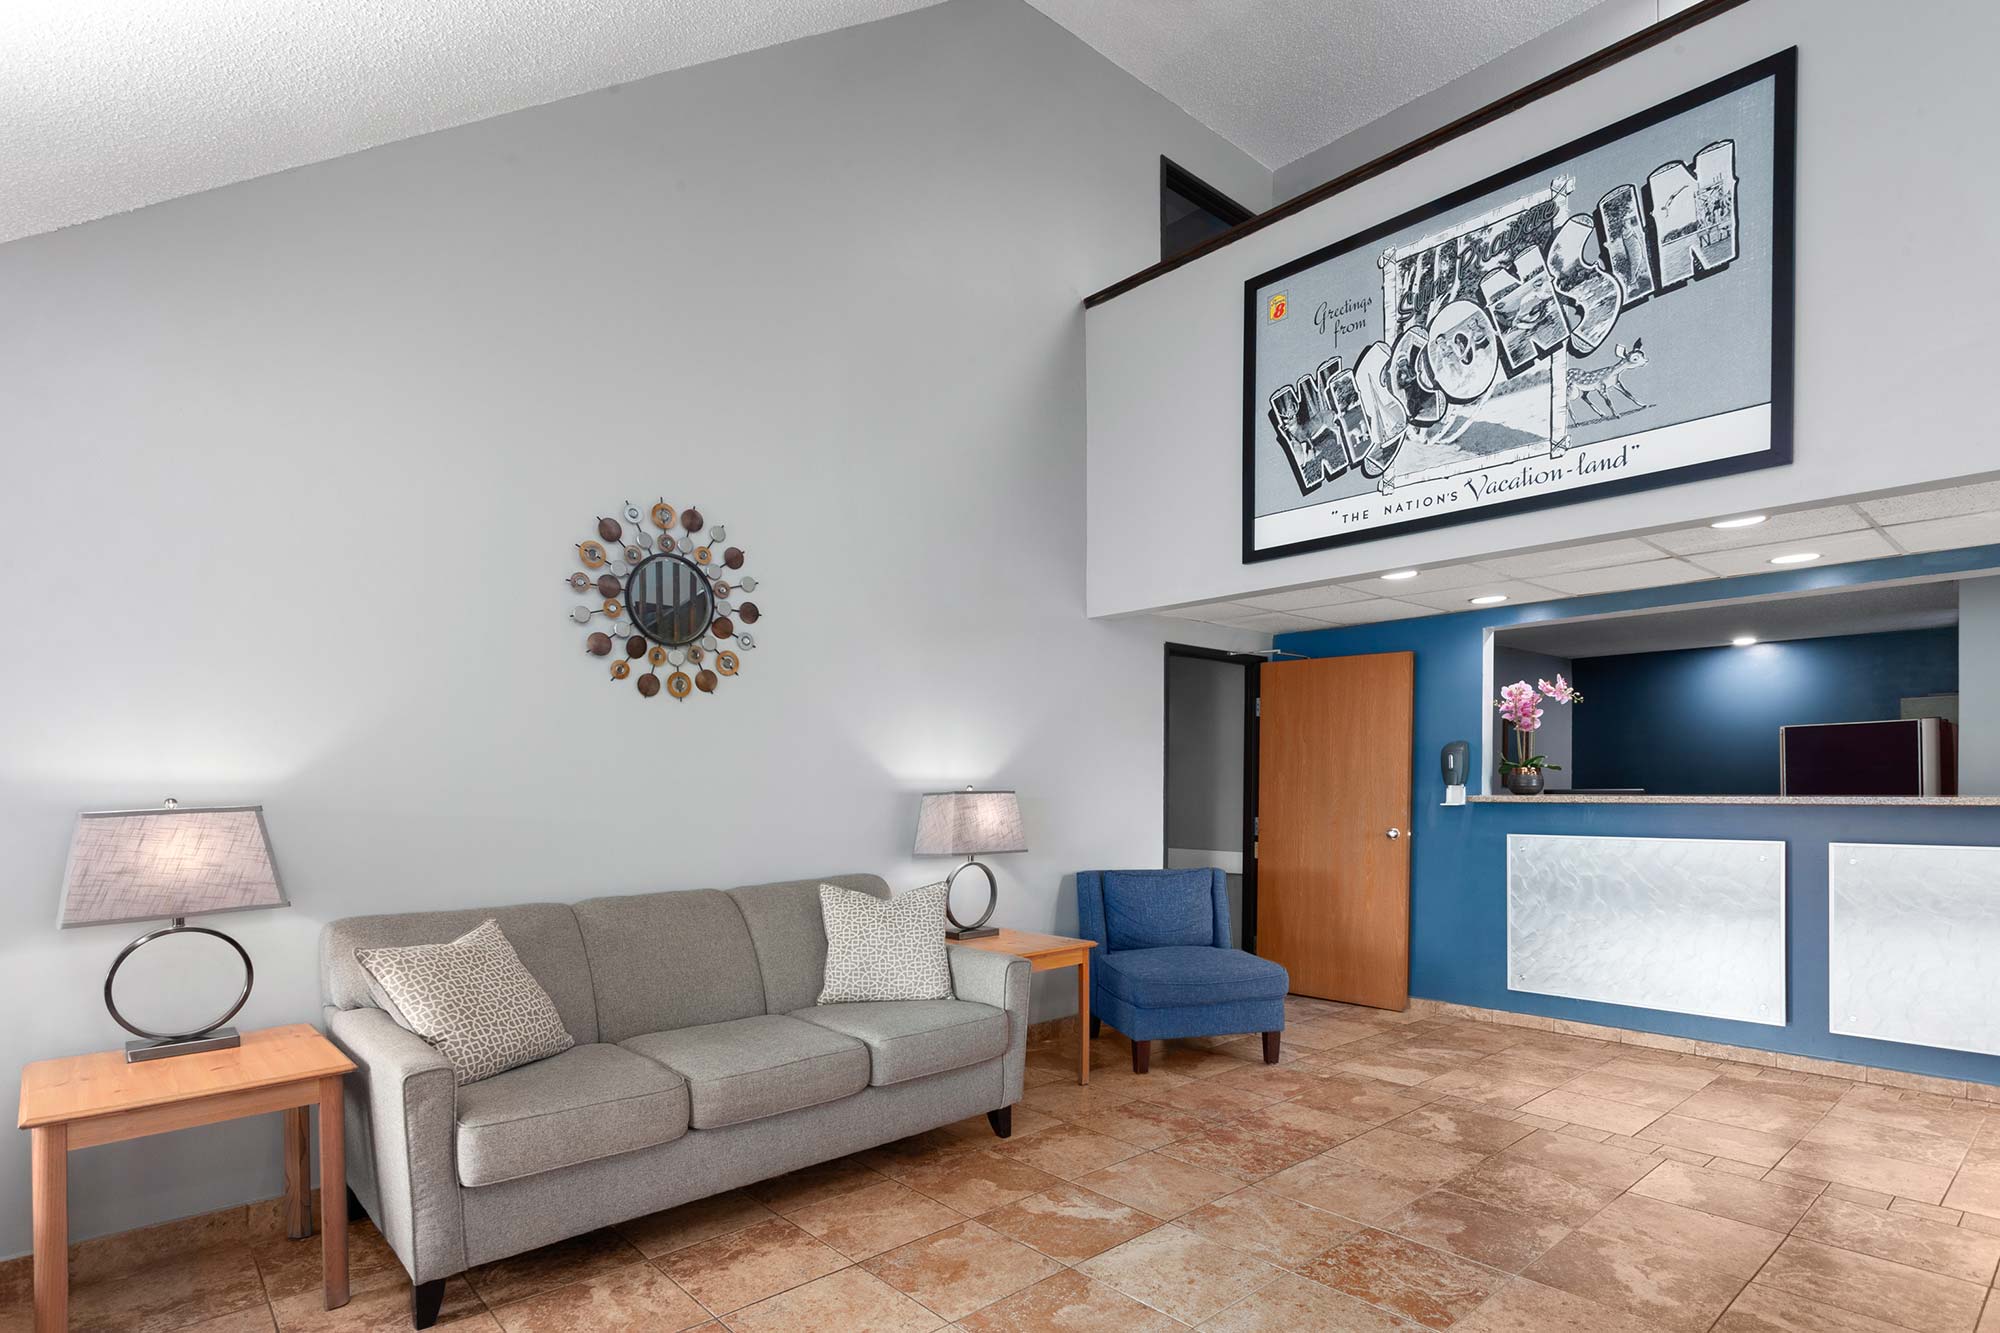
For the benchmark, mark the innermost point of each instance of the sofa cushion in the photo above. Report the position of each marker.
(909, 1039)
(879, 949)
(749, 1068)
(544, 935)
(790, 934)
(1179, 975)
(669, 960)
(472, 999)
(1153, 909)
(589, 1102)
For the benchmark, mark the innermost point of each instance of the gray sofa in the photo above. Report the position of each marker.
(701, 1064)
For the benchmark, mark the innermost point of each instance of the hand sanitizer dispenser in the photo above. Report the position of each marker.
(1455, 760)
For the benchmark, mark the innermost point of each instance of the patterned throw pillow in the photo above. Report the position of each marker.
(884, 950)
(472, 999)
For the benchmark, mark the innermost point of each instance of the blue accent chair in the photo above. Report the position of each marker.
(1164, 967)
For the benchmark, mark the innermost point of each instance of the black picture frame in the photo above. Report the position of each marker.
(1782, 69)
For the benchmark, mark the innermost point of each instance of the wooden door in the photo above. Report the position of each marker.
(1333, 825)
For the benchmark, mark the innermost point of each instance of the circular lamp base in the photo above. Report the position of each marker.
(157, 1045)
(977, 930)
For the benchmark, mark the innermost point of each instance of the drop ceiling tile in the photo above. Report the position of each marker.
(1299, 599)
(1441, 579)
(1947, 502)
(1624, 578)
(1946, 534)
(1573, 559)
(1277, 622)
(1460, 599)
(1834, 549)
(1377, 609)
(1778, 528)
(1200, 614)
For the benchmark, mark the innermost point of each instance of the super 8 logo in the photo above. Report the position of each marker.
(1278, 307)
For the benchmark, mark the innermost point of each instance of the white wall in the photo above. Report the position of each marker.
(295, 470)
(1891, 199)
(1978, 694)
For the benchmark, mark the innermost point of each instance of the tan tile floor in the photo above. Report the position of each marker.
(1394, 1173)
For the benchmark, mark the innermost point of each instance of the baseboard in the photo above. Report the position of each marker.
(99, 1256)
(1715, 1050)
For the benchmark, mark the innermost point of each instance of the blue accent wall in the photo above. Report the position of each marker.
(1458, 939)
(1704, 721)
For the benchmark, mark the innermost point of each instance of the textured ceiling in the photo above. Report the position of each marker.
(108, 105)
(1279, 78)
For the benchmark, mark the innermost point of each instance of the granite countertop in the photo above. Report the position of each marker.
(1566, 798)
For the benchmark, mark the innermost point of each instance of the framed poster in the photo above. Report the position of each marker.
(1610, 316)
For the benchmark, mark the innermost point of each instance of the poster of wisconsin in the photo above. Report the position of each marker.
(1613, 315)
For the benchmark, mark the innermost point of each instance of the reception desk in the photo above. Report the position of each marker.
(1845, 927)
(1586, 798)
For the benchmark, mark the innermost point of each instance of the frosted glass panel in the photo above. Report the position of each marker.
(1913, 944)
(1690, 925)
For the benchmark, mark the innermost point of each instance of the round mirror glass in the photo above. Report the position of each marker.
(670, 600)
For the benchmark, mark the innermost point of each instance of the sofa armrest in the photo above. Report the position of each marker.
(1001, 980)
(402, 1140)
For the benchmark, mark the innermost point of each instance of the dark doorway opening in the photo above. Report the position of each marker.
(1210, 788)
(1191, 211)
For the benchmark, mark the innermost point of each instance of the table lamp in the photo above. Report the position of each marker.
(968, 823)
(171, 863)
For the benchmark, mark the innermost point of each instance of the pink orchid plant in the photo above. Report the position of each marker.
(1520, 706)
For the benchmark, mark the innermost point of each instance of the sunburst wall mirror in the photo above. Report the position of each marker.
(671, 596)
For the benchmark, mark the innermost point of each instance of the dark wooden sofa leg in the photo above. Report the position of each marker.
(355, 1212)
(1142, 1056)
(426, 1299)
(1002, 1121)
(1096, 1028)
(1271, 1048)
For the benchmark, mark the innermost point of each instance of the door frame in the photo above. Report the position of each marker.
(1250, 662)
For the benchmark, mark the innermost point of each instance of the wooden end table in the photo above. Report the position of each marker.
(82, 1101)
(1043, 953)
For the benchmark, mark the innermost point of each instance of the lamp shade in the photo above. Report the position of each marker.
(145, 865)
(967, 823)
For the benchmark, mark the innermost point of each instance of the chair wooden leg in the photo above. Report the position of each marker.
(1096, 1028)
(1002, 1121)
(426, 1300)
(1271, 1048)
(1142, 1056)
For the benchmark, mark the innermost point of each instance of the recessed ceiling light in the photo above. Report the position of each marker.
(1490, 599)
(1795, 558)
(1743, 641)
(1747, 521)
(1401, 574)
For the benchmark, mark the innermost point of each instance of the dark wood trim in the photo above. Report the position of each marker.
(1645, 39)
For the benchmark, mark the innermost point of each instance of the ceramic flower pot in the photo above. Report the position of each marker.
(1522, 781)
